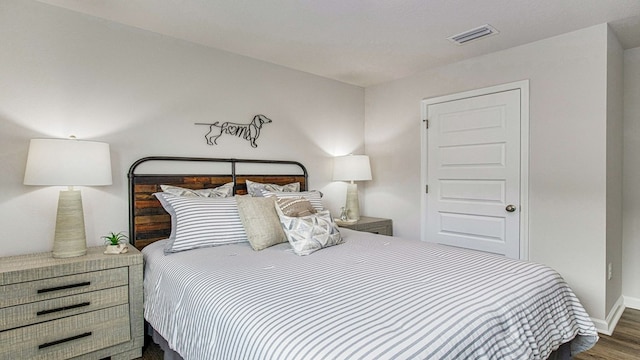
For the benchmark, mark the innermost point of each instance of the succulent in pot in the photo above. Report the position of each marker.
(116, 243)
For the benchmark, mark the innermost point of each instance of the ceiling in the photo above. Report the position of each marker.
(362, 42)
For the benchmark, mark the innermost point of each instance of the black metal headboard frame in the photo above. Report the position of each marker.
(133, 177)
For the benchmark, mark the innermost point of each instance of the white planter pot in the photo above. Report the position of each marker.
(116, 249)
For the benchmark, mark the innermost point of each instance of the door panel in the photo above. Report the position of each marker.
(473, 191)
(476, 155)
(473, 172)
(473, 227)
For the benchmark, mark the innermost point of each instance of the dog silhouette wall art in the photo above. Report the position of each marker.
(249, 132)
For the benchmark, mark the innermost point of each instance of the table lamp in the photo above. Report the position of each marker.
(68, 162)
(352, 168)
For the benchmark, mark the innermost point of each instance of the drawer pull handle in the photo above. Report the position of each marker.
(45, 312)
(45, 345)
(57, 288)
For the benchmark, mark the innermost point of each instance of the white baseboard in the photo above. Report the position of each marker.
(607, 326)
(631, 302)
(601, 326)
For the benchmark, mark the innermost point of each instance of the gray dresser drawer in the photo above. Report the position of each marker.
(45, 289)
(370, 224)
(69, 336)
(86, 307)
(32, 313)
(379, 229)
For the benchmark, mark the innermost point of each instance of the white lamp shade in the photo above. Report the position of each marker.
(351, 168)
(68, 163)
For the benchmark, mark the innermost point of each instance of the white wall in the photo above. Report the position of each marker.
(568, 110)
(64, 73)
(615, 115)
(631, 179)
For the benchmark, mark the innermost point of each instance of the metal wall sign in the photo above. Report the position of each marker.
(249, 132)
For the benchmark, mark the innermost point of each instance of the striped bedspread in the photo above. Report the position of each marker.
(373, 297)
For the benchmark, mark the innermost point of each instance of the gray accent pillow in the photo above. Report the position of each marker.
(314, 197)
(225, 190)
(257, 189)
(260, 220)
(308, 234)
(297, 206)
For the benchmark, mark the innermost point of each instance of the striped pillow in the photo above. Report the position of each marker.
(201, 222)
(314, 197)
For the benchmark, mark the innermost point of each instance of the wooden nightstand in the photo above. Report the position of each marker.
(371, 224)
(89, 307)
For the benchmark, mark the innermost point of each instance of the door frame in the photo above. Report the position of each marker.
(523, 86)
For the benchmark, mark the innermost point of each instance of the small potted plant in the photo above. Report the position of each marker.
(116, 243)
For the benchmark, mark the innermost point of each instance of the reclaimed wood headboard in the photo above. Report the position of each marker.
(149, 222)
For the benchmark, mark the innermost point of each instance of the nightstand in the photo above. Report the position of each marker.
(371, 224)
(89, 307)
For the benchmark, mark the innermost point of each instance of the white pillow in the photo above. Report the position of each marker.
(201, 222)
(257, 189)
(307, 234)
(225, 190)
(314, 197)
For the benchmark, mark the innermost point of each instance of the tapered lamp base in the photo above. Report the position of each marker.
(70, 239)
(352, 204)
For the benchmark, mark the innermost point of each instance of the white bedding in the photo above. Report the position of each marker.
(373, 297)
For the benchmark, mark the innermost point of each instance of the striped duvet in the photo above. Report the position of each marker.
(373, 297)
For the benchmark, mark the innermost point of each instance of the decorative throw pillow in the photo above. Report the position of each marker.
(296, 207)
(201, 222)
(257, 189)
(225, 190)
(307, 234)
(314, 197)
(260, 221)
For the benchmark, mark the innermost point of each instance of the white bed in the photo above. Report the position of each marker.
(373, 297)
(210, 294)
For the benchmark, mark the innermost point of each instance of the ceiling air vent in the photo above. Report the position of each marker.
(473, 34)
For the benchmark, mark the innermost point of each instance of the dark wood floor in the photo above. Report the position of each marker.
(151, 351)
(623, 345)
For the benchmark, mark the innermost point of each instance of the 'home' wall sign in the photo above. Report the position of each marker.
(249, 132)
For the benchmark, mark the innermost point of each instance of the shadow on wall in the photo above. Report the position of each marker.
(14, 146)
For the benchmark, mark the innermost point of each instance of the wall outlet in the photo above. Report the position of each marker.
(609, 271)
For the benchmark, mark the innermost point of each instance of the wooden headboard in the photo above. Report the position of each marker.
(148, 221)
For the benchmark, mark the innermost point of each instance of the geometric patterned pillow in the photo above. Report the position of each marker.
(225, 190)
(310, 233)
(201, 222)
(256, 189)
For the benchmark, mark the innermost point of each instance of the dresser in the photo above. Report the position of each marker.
(370, 224)
(85, 307)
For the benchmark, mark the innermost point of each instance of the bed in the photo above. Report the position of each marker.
(367, 297)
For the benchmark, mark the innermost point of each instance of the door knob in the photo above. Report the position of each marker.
(510, 208)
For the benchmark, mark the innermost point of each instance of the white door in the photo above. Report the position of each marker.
(473, 173)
